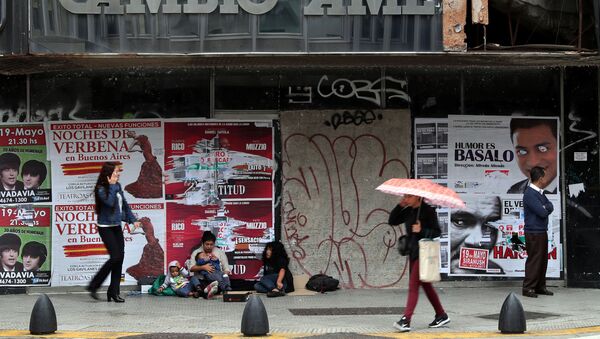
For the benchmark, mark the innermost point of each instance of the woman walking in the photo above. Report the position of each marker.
(111, 209)
(423, 224)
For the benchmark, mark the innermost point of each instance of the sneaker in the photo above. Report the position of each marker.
(439, 321)
(211, 289)
(402, 325)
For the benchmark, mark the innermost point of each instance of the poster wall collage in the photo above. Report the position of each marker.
(485, 159)
(181, 178)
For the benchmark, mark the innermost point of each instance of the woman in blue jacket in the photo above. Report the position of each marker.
(111, 209)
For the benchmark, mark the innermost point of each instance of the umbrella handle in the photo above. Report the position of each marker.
(419, 209)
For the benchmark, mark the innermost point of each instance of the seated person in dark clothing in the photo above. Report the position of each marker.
(277, 278)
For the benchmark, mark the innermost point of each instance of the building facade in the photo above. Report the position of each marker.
(343, 83)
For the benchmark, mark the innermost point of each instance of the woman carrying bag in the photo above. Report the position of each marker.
(423, 222)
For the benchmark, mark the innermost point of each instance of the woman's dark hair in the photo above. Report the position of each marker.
(107, 170)
(277, 253)
(208, 236)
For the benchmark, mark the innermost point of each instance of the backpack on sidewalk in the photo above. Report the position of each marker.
(322, 283)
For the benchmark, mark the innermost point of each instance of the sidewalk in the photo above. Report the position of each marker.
(569, 313)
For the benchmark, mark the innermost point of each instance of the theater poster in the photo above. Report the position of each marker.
(494, 154)
(24, 168)
(219, 178)
(78, 150)
(489, 158)
(487, 237)
(25, 231)
(79, 252)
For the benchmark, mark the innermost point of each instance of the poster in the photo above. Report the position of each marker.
(25, 243)
(243, 228)
(487, 237)
(24, 168)
(210, 161)
(78, 150)
(219, 179)
(79, 252)
(431, 162)
(494, 154)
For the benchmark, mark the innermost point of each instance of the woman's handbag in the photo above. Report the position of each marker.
(403, 245)
(429, 260)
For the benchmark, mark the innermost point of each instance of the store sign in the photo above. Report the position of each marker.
(315, 7)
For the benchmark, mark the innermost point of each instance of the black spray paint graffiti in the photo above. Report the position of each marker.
(356, 118)
(364, 89)
(60, 113)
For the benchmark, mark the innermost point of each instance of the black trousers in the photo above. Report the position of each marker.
(115, 244)
(537, 261)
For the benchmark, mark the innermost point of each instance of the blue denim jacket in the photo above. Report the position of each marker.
(109, 209)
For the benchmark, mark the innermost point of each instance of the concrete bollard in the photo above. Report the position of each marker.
(512, 316)
(254, 320)
(43, 317)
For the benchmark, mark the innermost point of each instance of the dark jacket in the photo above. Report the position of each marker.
(430, 228)
(110, 214)
(274, 266)
(19, 186)
(537, 208)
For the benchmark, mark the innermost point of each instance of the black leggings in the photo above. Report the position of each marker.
(115, 244)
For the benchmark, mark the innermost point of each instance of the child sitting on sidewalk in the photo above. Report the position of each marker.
(184, 287)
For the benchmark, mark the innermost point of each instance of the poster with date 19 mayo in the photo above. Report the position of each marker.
(25, 231)
(24, 168)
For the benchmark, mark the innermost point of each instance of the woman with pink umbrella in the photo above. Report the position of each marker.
(420, 218)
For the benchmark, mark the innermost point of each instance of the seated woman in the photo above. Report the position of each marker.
(277, 278)
(210, 263)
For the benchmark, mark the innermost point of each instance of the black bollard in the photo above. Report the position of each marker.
(512, 316)
(254, 319)
(43, 317)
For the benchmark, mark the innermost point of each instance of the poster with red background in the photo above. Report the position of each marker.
(242, 229)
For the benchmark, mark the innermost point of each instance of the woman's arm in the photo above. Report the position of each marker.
(280, 277)
(399, 215)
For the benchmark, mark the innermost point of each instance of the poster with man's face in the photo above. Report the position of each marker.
(494, 154)
(24, 168)
(487, 237)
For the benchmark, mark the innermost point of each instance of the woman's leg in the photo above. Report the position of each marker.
(433, 298)
(117, 267)
(260, 287)
(111, 243)
(413, 290)
(269, 281)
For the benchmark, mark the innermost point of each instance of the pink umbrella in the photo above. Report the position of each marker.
(431, 192)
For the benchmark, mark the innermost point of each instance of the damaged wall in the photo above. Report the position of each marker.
(333, 220)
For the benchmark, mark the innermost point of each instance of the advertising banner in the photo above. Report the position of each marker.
(242, 229)
(494, 154)
(25, 245)
(485, 160)
(487, 237)
(219, 179)
(431, 162)
(79, 252)
(24, 168)
(78, 150)
(211, 161)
